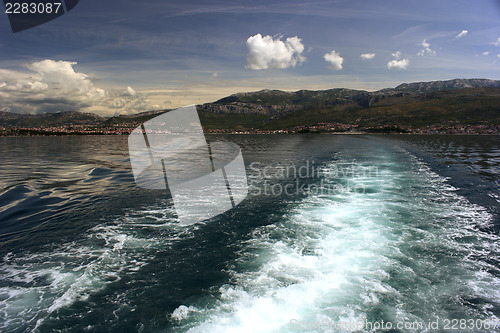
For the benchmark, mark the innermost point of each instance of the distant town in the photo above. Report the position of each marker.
(321, 128)
(458, 106)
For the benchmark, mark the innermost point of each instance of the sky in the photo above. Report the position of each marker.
(123, 57)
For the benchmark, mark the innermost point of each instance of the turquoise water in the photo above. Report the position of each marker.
(339, 234)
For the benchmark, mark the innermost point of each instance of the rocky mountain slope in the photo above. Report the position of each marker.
(413, 105)
(468, 101)
(68, 118)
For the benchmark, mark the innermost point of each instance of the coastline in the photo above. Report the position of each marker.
(59, 134)
(393, 129)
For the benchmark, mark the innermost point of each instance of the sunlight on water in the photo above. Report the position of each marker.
(375, 235)
(405, 251)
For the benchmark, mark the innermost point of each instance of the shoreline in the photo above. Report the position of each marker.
(59, 134)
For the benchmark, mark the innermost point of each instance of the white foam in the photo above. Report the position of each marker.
(182, 312)
(42, 283)
(339, 261)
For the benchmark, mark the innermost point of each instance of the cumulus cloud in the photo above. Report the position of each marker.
(131, 91)
(334, 59)
(53, 86)
(496, 43)
(368, 56)
(48, 86)
(124, 101)
(267, 52)
(426, 49)
(462, 34)
(398, 63)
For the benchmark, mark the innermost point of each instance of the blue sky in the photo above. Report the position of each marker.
(130, 56)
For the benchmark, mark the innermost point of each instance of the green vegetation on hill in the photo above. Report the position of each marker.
(68, 118)
(232, 121)
(471, 106)
(459, 102)
(136, 118)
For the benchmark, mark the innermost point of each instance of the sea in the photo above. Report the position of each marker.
(338, 233)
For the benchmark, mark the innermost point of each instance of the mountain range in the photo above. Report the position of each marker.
(467, 101)
(459, 101)
(8, 119)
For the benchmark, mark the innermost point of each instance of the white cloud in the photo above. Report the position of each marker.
(52, 86)
(266, 52)
(334, 59)
(368, 56)
(496, 43)
(486, 53)
(398, 63)
(462, 34)
(131, 91)
(214, 75)
(426, 49)
(498, 55)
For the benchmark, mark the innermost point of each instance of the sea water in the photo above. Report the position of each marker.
(339, 233)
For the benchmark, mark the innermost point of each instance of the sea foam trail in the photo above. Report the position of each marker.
(36, 285)
(406, 249)
(394, 242)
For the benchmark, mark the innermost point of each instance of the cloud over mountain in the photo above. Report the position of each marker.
(334, 59)
(398, 63)
(53, 86)
(267, 52)
(426, 49)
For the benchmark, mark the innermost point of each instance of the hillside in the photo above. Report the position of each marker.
(462, 101)
(424, 87)
(409, 106)
(69, 118)
(138, 118)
